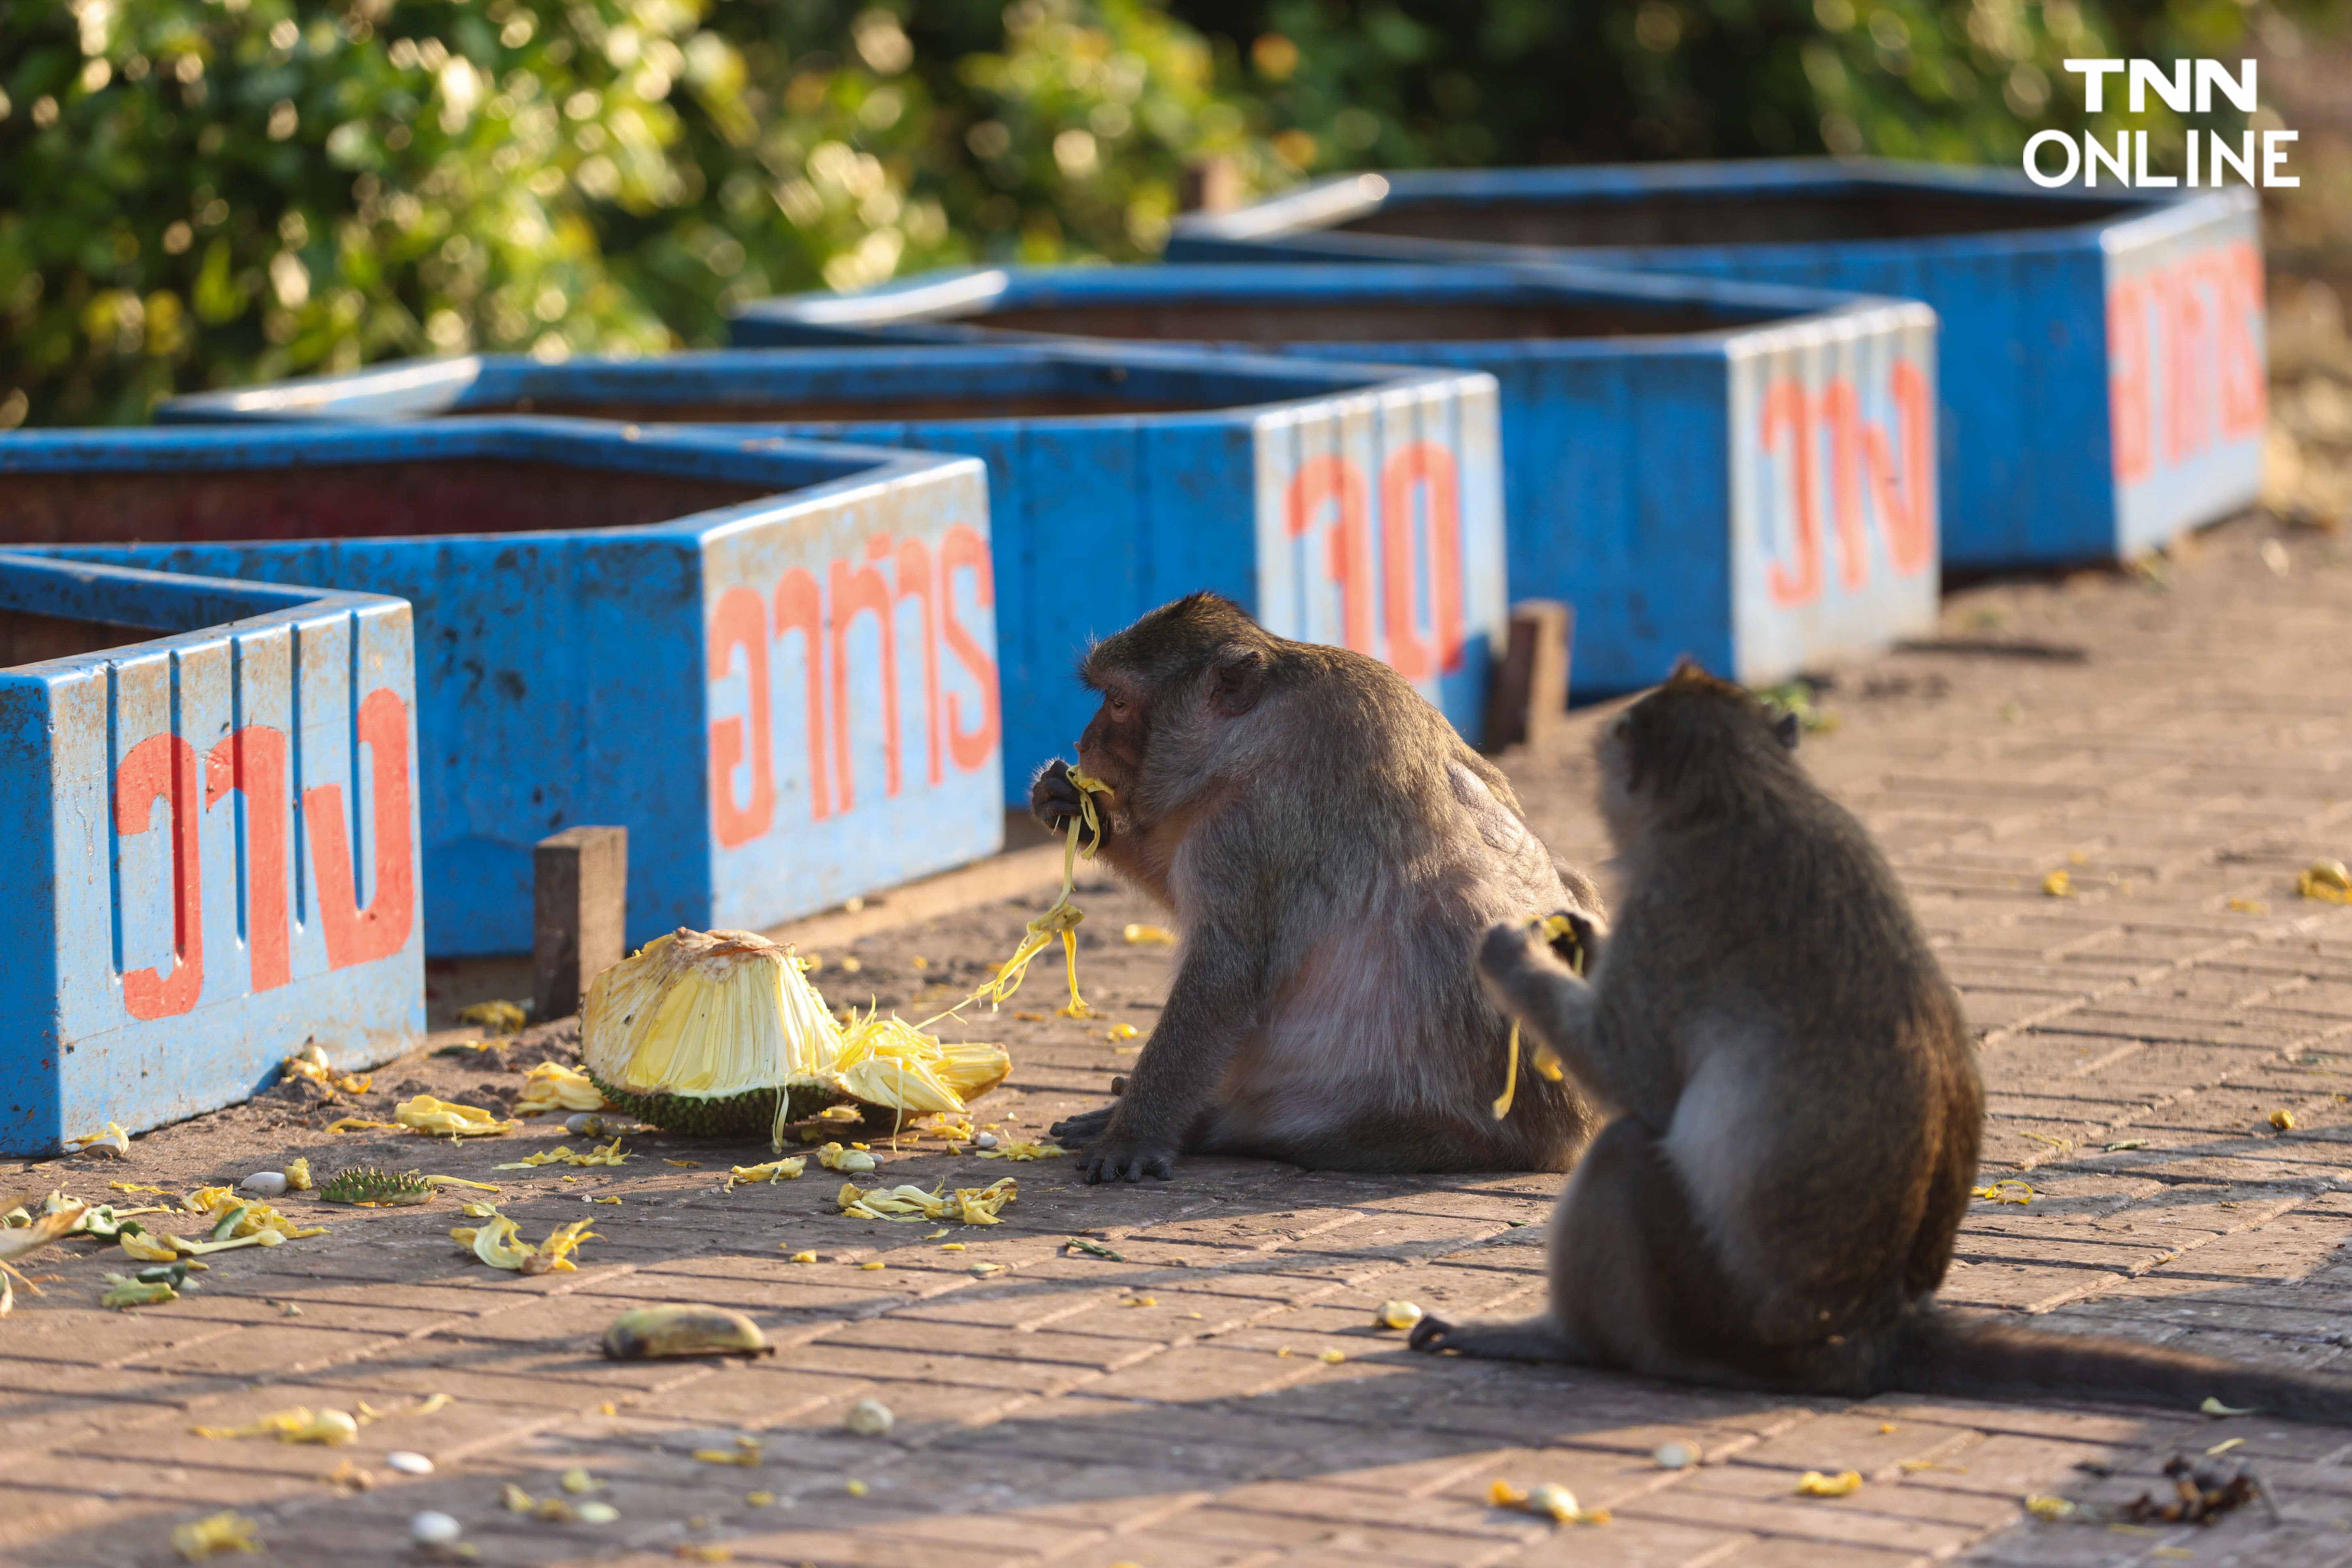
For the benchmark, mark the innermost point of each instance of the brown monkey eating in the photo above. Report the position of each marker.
(1330, 851)
(1796, 1105)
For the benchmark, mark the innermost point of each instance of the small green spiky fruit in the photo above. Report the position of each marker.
(367, 1184)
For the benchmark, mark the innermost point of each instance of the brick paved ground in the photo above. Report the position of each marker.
(2176, 741)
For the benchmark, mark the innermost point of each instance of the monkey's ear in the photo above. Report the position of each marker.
(1785, 730)
(1236, 681)
(1687, 671)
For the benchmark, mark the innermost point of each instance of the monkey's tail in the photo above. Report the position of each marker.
(1937, 1350)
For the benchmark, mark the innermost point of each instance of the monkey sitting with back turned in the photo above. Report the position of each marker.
(1796, 1105)
(1331, 851)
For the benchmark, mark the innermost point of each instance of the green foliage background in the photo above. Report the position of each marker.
(207, 193)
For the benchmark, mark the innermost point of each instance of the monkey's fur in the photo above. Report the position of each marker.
(1330, 851)
(1796, 1105)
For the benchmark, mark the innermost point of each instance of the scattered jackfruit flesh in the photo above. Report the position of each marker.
(721, 1034)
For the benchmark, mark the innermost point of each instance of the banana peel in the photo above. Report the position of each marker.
(652, 1332)
(445, 1117)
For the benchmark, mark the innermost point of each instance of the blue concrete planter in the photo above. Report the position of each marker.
(1738, 472)
(212, 846)
(772, 661)
(2103, 386)
(1342, 504)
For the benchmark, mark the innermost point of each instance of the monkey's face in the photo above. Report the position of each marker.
(1113, 744)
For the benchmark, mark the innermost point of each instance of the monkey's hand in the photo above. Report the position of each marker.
(1117, 1153)
(1580, 944)
(1512, 948)
(1053, 799)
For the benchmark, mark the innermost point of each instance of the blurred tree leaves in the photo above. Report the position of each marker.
(204, 193)
(1420, 83)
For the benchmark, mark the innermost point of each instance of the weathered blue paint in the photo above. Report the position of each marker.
(1721, 469)
(603, 614)
(211, 854)
(1120, 476)
(2103, 386)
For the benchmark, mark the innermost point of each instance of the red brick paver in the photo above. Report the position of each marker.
(2176, 741)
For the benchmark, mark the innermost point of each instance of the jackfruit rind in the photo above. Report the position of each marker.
(719, 1034)
(744, 1115)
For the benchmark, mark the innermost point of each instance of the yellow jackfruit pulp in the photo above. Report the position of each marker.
(721, 1034)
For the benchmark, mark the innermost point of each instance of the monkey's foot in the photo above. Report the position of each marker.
(1112, 1154)
(1429, 1334)
(1077, 1131)
(1531, 1339)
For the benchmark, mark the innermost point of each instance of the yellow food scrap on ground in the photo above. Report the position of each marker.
(499, 1018)
(552, 1086)
(2058, 885)
(311, 1062)
(971, 1205)
(2040, 1505)
(361, 1124)
(225, 1531)
(443, 1118)
(2327, 880)
(496, 1244)
(1148, 936)
(2283, 1118)
(744, 1456)
(772, 1172)
(298, 1175)
(1333, 1357)
(797, 1257)
(1548, 1500)
(872, 1264)
(1016, 1150)
(562, 1155)
(1121, 1032)
(1397, 1315)
(124, 1292)
(146, 1247)
(834, 1157)
(2249, 907)
(2009, 1190)
(299, 1425)
(1812, 1483)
